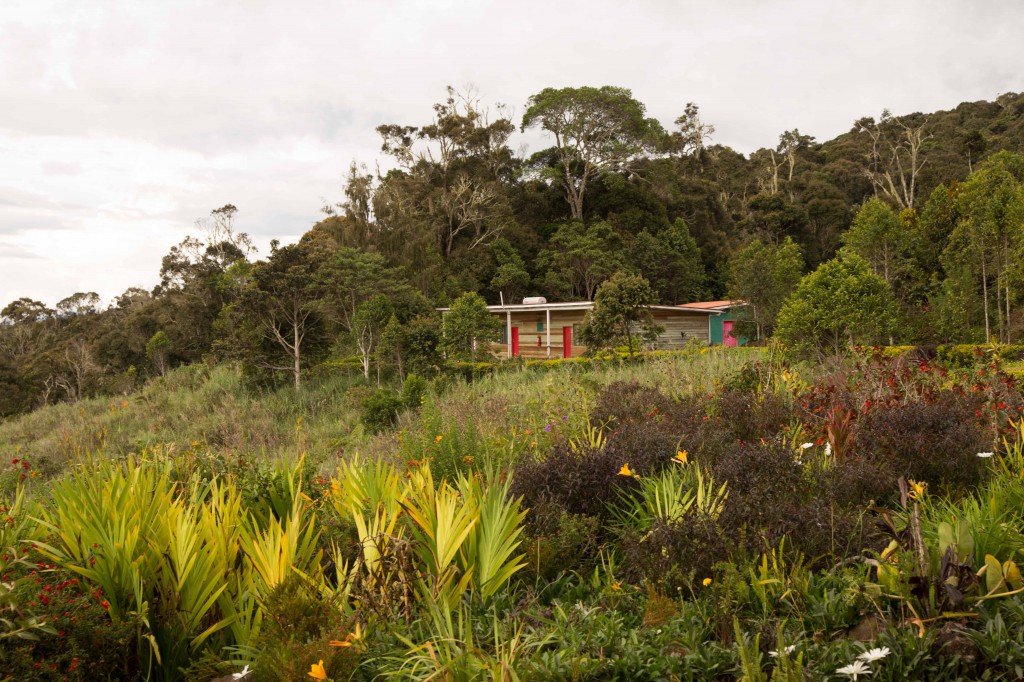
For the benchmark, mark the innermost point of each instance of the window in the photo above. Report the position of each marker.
(540, 327)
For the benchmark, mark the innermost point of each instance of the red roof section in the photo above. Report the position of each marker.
(711, 304)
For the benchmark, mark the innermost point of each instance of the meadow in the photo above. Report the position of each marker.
(712, 514)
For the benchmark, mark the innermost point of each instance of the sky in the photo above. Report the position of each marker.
(123, 123)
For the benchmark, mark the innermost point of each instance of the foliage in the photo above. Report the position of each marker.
(620, 313)
(840, 304)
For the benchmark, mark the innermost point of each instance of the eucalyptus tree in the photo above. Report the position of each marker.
(596, 131)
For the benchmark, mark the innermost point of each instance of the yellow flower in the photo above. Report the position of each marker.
(352, 639)
(707, 581)
(917, 490)
(468, 459)
(615, 586)
(317, 672)
(682, 456)
(625, 471)
(438, 439)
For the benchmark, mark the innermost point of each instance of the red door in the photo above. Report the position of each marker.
(566, 342)
(515, 342)
(727, 338)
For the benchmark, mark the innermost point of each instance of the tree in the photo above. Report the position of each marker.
(763, 275)
(368, 325)
(671, 262)
(469, 327)
(836, 306)
(878, 237)
(510, 278)
(581, 257)
(278, 321)
(157, 349)
(621, 313)
(596, 130)
(897, 154)
(990, 233)
(693, 134)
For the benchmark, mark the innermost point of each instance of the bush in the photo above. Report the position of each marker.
(677, 554)
(413, 391)
(625, 402)
(935, 442)
(380, 409)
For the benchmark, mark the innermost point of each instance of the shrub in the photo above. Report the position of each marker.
(675, 554)
(625, 402)
(583, 482)
(559, 541)
(414, 388)
(752, 416)
(380, 409)
(936, 442)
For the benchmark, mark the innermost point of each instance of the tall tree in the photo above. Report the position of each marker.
(763, 275)
(579, 258)
(596, 130)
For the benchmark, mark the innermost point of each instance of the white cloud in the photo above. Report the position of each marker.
(121, 122)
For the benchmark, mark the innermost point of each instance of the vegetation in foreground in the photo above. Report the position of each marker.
(708, 515)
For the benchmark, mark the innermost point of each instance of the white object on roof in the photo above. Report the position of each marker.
(534, 300)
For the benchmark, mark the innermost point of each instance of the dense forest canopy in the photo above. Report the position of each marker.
(929, 205)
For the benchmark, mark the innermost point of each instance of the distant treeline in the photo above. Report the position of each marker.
(929, 204)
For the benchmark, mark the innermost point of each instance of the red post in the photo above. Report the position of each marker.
(566, 342)
(515, 341)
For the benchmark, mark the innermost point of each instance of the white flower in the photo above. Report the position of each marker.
(788, 650)
(874, 655)
(807, 445)
(985, 455)
(854, 670)
(828, 449)
(244, 673)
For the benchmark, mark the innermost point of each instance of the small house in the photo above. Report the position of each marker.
(538, 329)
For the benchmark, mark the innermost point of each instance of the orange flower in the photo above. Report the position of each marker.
(352, 639)
(615, 586)
(317, 672)
(625, 470)
(438, 439)
(682, 456)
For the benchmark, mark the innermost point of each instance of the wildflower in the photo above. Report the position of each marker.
(707, 582)
(682, 456)
(317, 672)
(873, 655)
(244, 673)
(468, 459)
(625, 470)
(616, 586)
(547, 429)
(854, 670)
(828, 449)
(806, 445)
(438, 439)
(917, 490)
(352, 639)
(985, 455)
(788, 650)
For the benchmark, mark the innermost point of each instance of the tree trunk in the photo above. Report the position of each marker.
(984, 292)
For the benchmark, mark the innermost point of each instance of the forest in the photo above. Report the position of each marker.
(928, 203)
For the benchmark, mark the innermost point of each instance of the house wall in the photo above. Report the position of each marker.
(532, 342)
(717, 333)
(680, 328)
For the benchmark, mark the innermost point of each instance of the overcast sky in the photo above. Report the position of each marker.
(121, 123)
